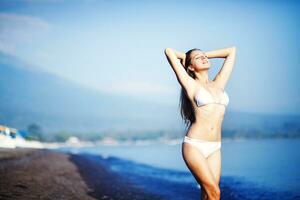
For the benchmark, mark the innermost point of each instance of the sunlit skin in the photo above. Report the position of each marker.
(209, 118)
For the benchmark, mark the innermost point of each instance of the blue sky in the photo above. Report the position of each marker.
(117, 46)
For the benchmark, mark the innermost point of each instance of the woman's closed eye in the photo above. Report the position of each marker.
(202, 57)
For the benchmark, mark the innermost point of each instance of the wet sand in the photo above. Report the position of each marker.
(46, 174)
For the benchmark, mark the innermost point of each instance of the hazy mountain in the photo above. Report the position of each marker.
(255, 125)
(29, 95)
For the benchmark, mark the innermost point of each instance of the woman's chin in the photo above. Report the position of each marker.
(207, 66)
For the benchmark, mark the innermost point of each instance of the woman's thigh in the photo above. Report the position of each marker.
(198, 165)
(214, 163)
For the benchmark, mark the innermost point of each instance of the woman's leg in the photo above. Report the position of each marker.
(214, 163)
(203, 194)
(199, 167)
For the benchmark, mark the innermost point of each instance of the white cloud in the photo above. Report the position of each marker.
(19, 30)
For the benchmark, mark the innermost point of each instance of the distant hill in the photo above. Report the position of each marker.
(28, 94)
(254, 125)
(31, 95)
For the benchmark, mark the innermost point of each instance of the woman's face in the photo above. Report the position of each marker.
(199, 60)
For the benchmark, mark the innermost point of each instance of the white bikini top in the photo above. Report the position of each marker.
(204, 97)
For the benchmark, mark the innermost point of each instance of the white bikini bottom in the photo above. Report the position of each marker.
(204, 146)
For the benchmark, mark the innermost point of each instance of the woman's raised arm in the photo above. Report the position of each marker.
(220, 53)
(229, 54)
(177, 59)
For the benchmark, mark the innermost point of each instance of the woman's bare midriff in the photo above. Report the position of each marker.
(208, 123)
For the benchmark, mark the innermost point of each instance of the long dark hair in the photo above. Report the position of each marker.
(186, 109)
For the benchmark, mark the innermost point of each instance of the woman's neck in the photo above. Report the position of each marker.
(202, 77)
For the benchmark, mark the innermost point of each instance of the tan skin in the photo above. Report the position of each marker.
(209, 118)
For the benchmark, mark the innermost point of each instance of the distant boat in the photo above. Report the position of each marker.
(11, 138)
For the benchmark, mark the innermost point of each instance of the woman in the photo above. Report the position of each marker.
(203, 103)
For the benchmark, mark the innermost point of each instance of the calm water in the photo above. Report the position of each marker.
(271, 163)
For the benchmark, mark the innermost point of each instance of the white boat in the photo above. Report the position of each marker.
(10, 138)
(7, 142)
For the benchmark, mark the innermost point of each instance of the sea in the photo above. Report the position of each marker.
(251, 168)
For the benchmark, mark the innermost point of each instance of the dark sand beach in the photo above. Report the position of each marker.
(47, 174)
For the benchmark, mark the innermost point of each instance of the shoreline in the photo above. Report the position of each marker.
(46, 174)
(52, 174)
(21, 143)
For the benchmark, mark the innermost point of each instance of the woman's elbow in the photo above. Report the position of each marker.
(168, 50)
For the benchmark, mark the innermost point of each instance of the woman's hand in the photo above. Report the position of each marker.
(183, 60)
(181, 56)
